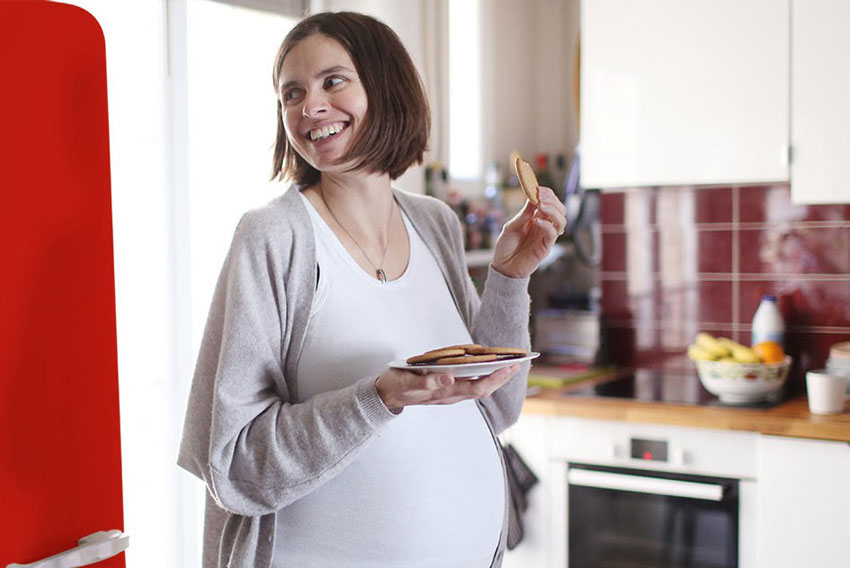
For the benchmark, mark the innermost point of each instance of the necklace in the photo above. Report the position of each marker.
(379, 272)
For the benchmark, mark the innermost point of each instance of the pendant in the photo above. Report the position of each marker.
(382, 276)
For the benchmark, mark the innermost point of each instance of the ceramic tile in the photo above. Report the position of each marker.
(615, 300)
(713, 205)
(613, 252)
(612, 208)
(714, 301)
(828, 213)
(714, 251)
(752, 201)
(786, 249)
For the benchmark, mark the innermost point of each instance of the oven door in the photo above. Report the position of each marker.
(622, 518)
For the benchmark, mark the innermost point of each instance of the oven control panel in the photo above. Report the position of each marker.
(651, 446)
(648, 450)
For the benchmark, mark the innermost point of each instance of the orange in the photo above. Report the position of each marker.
(769, 351)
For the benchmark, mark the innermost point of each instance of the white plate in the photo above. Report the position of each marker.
(467, 370)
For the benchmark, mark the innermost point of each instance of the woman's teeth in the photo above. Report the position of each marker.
(324, 132)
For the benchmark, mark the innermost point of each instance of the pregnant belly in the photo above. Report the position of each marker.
(427, 491)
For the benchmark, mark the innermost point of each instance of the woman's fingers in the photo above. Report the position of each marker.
(404, 388)
(552, 209)
(548, 207)
(466, 389)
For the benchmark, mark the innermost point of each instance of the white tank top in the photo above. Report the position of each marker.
(428, 491)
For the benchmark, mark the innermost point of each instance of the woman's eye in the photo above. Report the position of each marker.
(291, 95)
(333, 81)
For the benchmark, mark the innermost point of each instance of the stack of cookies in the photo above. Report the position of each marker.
(463, 354)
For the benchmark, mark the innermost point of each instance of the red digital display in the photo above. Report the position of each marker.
(651, 450)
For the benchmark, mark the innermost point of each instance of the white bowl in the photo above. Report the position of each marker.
(738, 383)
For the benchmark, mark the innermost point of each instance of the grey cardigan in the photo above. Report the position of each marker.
(247, 434)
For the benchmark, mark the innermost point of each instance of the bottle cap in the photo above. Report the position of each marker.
(768, 298)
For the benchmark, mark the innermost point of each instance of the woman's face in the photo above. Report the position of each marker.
(323, 101)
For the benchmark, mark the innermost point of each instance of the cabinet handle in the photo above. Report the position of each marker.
(787, 154)
(92, 548)
(644, 484)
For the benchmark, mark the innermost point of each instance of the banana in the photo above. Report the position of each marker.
(741, 353)
(728, 343)
(697, 353)
(713, 346)
(745, 355)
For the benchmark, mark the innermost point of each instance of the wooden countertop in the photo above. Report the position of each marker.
(791, 418)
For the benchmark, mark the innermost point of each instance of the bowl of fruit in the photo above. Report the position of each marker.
(738, 374)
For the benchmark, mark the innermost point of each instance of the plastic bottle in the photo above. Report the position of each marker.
(767, 322)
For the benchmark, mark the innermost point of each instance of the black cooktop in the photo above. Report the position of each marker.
(657, 385)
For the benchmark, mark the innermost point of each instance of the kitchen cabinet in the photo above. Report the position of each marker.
(529, 437)
(820, 89)
(804, 502)
(679, 92)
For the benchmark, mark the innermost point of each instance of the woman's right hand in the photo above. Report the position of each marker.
(398, 388)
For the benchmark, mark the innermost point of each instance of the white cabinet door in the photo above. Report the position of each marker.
(529, 436)
(684, 92)
(804, 499)
(820, 89)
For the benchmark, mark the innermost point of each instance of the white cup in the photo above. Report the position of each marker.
(827, 392)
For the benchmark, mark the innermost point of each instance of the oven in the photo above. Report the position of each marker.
(624, 518)
(642, 495)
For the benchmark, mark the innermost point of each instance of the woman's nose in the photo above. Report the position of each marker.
(315, 103)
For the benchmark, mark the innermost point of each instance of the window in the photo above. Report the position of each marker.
(231, 131)
(465, 154)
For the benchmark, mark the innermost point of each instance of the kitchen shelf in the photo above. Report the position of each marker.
(479, 258)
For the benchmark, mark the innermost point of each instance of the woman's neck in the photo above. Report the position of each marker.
(363, 200)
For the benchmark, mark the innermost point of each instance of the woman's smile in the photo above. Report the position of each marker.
(323, 133)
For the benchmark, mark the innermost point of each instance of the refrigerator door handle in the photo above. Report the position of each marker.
(92, 548)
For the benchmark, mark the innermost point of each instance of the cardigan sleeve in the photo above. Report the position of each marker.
(255, 449)
(499, 317)
(502, 320)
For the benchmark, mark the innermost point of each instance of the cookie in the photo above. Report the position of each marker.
(527, 179)
(466, 347)
(503, 351)
(434, 354)
(463, 359)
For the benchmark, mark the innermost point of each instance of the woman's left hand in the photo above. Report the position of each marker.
(527, 238)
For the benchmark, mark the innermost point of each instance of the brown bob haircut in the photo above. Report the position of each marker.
(398, 120)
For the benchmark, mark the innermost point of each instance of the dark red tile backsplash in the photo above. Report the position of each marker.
(714, 205)
(714, 251)
(679, 260)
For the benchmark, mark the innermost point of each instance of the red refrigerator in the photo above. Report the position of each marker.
(60, 454)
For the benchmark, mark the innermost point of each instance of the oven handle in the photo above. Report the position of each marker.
(645, 484)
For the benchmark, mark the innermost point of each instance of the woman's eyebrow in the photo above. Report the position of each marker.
(321, 74)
